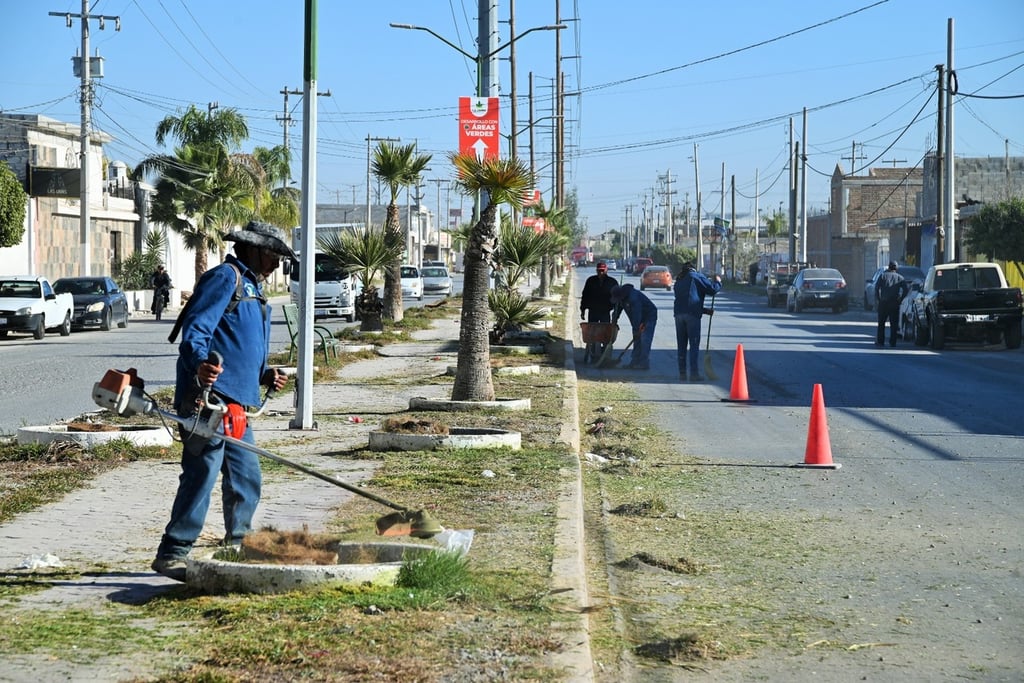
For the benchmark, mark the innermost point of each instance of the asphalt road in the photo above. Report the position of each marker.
(924, 519)
(50, 380)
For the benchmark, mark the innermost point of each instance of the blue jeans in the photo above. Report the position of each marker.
(641, 355)
(241, 481)
(687, 342)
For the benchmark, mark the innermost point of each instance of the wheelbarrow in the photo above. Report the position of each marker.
(596, 336)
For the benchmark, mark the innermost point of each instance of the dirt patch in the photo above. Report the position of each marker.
(271, 546)
(406, 426)
(91, 427)
(680, 565)
(684, 649)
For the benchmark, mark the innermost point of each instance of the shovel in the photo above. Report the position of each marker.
(606, 360)
(709, 372)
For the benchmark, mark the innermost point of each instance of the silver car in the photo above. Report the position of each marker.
(436, 280)
(412, 283)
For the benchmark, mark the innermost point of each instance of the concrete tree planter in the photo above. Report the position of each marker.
(420, 403)
(140, 435)
(456, 438)
(359, 564)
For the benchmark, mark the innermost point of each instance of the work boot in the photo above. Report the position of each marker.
(171, 567)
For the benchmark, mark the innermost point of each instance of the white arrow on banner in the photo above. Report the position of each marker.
(480, 147)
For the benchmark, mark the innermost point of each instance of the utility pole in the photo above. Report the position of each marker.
(950, 192)
(700, 235)
(894, 161)
(370, 139)
(940, 248)
(559, 105)
(286, 119)
(803, 193)
(854, 157)
(85, 64)
(438, 181)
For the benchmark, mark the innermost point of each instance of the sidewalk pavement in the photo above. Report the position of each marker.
(116, 522)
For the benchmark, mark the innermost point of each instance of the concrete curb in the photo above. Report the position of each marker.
(568, 566)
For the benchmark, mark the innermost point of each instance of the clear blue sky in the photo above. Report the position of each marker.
(654, 78)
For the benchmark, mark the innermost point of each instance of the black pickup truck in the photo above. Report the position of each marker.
(966, 302)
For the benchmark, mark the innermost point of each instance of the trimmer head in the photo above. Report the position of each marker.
(415, 523)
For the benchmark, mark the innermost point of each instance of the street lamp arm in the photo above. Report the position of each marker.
(444, 40)
(554, 27)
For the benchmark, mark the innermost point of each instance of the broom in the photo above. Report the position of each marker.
(709, 372)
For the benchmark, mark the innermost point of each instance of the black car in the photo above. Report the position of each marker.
(818, 288)
(99, 301)
(911, 274)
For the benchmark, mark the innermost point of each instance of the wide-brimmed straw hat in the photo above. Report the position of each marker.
(262, 235)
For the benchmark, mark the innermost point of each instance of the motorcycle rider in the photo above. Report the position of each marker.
(160, 282)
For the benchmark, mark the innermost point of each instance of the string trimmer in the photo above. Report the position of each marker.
(124, 394)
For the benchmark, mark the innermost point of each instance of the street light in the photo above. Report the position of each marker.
(478, 58)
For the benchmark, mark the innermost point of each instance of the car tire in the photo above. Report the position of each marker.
(797, 307)
(40, 330)
(65, 327)
(105, 324)
(124, 323)
(920, 334)
(1012, 336)
(938, 335)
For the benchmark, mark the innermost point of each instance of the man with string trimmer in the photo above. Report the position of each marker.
(690, 289)
(227, 316)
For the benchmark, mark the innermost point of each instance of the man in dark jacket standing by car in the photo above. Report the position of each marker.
(890, 290)
(596, 296)
(690, 289)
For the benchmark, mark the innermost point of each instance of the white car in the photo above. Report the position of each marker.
(436, 280)
(412, 283)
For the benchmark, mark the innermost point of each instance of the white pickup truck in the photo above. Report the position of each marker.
(29, 304)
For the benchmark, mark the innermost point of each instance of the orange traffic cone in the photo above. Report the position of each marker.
(819, 450)
(738, 392)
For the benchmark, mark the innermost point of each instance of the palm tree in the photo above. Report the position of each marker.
(558, 238)
(203, 188)
(397, 166)
(367, 253)
(520, 250)
(505, 181)
(277, 203)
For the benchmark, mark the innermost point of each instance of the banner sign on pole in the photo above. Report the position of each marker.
(478, 127)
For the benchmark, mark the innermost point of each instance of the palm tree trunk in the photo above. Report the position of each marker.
(393, 275)
(545, 284)
(473, 380)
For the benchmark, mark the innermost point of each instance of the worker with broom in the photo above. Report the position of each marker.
(690, 288)
(226, 316)
(643, 317)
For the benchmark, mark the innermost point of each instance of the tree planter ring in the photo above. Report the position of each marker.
(140, 435)
(456, 438)
(420, 403)
(358, 564)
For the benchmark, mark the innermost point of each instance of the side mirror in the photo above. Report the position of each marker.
(286, 266)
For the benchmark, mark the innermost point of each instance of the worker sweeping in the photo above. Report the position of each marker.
(690, 289)
(643, 317)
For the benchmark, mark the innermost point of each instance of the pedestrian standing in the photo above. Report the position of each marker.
(596, 297)
(227, 314)
(643, 317)
(690, 288)
(890, 290)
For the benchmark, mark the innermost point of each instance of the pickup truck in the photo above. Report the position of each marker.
(965, 302)
(29, 304)
(778, 279)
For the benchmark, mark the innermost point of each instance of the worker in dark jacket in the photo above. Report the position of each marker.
(690, 289)
(643, 317)
(596, 296)
(890, 290)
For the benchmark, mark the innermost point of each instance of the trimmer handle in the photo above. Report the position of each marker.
(213, 358)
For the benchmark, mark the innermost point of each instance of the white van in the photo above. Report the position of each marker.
(334, 294)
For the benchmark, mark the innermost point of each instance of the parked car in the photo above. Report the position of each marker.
(412, 283)
(98, 301)
(434, 263)
(612, 264)
(818, 288)
(29, 304)
(779, 278)
(436, 280)
(656, 276)
(639, 263)
(911, 274)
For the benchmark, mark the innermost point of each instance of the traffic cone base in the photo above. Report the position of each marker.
(738, 391)
(818, 453)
